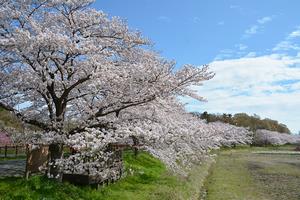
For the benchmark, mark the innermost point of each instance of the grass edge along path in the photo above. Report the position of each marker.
(147, 178)
(230, 179)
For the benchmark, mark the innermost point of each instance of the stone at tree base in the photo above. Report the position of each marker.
(94, 180)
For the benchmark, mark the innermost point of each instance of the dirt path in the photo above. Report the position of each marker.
(277, 174)
(244, 175)
(12, 168)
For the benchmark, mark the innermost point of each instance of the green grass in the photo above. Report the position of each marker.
(147, 178)
(230, 180)
(11, 153)
(7, 119)
(287, 147)
(241, 174)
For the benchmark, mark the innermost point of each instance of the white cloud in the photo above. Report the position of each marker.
(260, 85)
(296, 86)
(254, 29)
(241, 47)
(164, 19)
(225, 53)
(238, 51)
(294, 34)
(251, 54)
(285, 46)
(264, 20)
(288, 43)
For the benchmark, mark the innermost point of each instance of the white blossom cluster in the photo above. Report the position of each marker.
(91, 157)
(43, 138)
(189, 149)
(230, 135)
(266, 137)
(178, 138)
(28, 136)
(100, 164)
(163, 128)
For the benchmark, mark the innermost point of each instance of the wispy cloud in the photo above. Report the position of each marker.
(234, 6)
(164, 19)
(258, 26)
(264, 20)
(295, 33)
(237, 51)
(286, 46)
(239, 9)
(251, 54)
(225, 54)
(241, 47)
(288, 43)
(252, 30)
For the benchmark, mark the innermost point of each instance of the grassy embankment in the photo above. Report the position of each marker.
(9, 120)
(250, 174)
(150, 180)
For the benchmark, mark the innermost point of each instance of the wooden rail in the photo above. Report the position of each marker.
(15, 149)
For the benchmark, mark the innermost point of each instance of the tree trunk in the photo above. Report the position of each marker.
(135, 145)
(56, 152)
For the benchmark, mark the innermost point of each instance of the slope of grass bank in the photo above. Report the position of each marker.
(149, 179)
(9, 120)
(247, 174)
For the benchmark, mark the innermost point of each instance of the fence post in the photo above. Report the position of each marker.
(5, 151)
(16, 150)
(135, 145)
(27, 172)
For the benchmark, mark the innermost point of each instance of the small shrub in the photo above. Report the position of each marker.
(297, 148)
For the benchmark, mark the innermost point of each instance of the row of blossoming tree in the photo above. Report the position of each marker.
(266, 137)
(87, 80)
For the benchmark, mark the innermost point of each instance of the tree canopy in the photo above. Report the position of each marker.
(63, 62)
(253, 122)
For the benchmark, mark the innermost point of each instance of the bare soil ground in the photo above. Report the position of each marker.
(248, 174)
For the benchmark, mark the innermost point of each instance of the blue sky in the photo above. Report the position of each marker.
(252, 45)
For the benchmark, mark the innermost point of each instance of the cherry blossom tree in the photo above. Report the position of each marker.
(178, 138)
(229, 135)
(70, 69)
(266, 137)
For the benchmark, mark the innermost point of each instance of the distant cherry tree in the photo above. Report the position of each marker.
(266, 137)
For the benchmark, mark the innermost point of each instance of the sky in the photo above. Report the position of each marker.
(253, 46)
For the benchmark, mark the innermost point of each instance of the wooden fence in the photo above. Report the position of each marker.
(12, 150)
